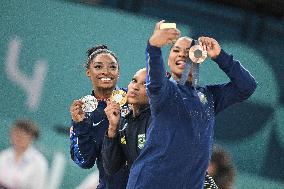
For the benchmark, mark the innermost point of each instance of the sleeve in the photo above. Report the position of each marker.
(241, 85)
(112, 154)
(83, 148)
(157, 82)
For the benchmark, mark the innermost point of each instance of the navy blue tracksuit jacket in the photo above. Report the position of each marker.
(86, 139)
(179, 143)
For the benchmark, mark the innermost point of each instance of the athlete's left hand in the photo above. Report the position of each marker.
(211, 46)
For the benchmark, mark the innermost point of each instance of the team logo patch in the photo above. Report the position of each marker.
(141, 140)
(125, 110)
(123, 140)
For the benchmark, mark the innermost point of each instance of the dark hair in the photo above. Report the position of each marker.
(95, 51)
(184, 37)
(28, 126)
(225, 171)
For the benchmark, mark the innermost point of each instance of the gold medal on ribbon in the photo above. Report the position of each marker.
(119, 96)
(197, 54)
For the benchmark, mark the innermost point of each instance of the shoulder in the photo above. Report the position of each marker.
(6, 153)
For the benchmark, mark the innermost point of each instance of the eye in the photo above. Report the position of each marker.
(113, 67)
(97, 67)
(133, 80)
(175, 50)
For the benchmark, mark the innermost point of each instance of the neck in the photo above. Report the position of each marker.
(135, 109)
(103, 93)
(18, 154)
(177, 78)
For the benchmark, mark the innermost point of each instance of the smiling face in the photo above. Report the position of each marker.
(178, 56)
(103, 72)
(136, 94)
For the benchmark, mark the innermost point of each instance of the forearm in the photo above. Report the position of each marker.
(112, 155)
(83, 149)
(112, 131)
(155, 68)
(241, 79)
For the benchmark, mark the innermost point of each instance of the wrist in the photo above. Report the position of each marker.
(111, 132)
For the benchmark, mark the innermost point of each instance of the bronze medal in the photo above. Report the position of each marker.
(197, 54)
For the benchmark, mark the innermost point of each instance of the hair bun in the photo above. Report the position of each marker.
(95, 48)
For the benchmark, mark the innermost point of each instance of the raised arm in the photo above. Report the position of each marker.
(241, 85)
(156, 73)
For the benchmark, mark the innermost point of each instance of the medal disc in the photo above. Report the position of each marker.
(119, 96)
(90, 103)
(196, 54)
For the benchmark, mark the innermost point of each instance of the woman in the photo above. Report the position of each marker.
(179, 143)
(125, 139)
(87, 130)
(126, 136)
(23, 166)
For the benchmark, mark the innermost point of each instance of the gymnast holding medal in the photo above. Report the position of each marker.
(180, 138)
(89, 122)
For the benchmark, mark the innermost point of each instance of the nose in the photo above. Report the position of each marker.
(183, 53)
(136, 86)
(105, 70)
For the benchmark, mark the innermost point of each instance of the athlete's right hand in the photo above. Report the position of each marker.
(76, 111)
(161, 37)
(113, 115)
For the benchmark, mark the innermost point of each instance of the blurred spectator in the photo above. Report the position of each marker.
(221, 168)
(90, 182)
(21, 165)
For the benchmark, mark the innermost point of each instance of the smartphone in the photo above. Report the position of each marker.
(167, 26)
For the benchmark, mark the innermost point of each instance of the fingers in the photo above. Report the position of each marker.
(157, 27)
(77, 104)
(170, 35)
(76, 111)
(207, 43)
(211, 46)
(173, 33)
(112, 108)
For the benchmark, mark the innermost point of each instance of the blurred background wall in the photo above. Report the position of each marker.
(42, 52)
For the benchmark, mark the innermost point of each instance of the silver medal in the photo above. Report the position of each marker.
(90, 103)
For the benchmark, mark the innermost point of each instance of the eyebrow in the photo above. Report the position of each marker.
(105, 62)
(180, 47)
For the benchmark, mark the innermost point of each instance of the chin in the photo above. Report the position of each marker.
(106, 86)
(131, 101)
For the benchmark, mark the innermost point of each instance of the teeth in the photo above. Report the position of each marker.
(105, 79)
(180, 62)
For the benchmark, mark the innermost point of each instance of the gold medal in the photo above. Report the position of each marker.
(119, 96)
(197, 54)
